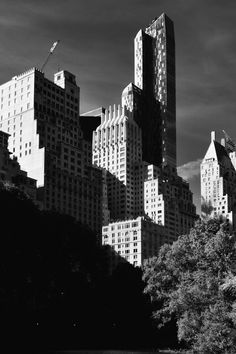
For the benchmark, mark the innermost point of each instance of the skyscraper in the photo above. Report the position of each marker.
(218, 181)
(155, 75)
(137, 144)
(133, 145)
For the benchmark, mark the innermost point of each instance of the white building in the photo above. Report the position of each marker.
(135, 188)
(133, 240)
(117, 148)
(218, 181)
(42, 118)
(169, 202)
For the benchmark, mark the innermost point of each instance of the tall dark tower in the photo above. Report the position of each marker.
(155, 76)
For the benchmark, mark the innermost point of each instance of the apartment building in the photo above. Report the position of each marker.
(168, 201)
(117, 148)
(134, 240)
(42, 118)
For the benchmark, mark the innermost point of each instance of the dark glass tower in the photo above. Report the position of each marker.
(155, 76)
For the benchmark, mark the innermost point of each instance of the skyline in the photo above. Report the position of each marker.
(99, 51)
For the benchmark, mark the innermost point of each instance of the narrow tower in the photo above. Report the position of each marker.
(155, 74)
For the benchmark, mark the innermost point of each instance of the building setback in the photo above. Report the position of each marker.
(42, 118)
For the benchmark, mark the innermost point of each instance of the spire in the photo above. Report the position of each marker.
(213, 136)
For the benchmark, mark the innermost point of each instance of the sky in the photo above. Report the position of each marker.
(96, 44)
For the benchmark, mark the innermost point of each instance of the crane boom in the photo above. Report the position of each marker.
(50, 53)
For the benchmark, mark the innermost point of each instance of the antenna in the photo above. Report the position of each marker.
(50, 53)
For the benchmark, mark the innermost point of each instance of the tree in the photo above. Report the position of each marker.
(206, 208)
(55, 289)
(193, 281)
(49, 267)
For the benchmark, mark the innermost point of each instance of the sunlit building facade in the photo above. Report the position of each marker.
(168, 201)
(117, 148)
(218, 181)
(134, 240)
(42, 118)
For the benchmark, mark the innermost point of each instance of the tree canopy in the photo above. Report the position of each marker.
(193, 281)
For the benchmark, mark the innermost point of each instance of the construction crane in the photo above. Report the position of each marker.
(50, 53)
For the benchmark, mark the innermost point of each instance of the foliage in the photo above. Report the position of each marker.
(194, 281)
(206, 207)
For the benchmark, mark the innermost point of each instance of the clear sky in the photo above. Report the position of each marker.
(97, 46)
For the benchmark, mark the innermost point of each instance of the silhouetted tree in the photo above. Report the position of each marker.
(55, 290)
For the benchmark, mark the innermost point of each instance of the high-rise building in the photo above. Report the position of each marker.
(137, 145)
(218, 181)
(155, 76)
(117, 148)
(42, 118)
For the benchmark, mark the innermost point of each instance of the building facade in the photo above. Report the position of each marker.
(154, 74)
(218, 181)
(146, 112)
(133, 240)
(168, 201)
(117, 148)
(42, 118)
